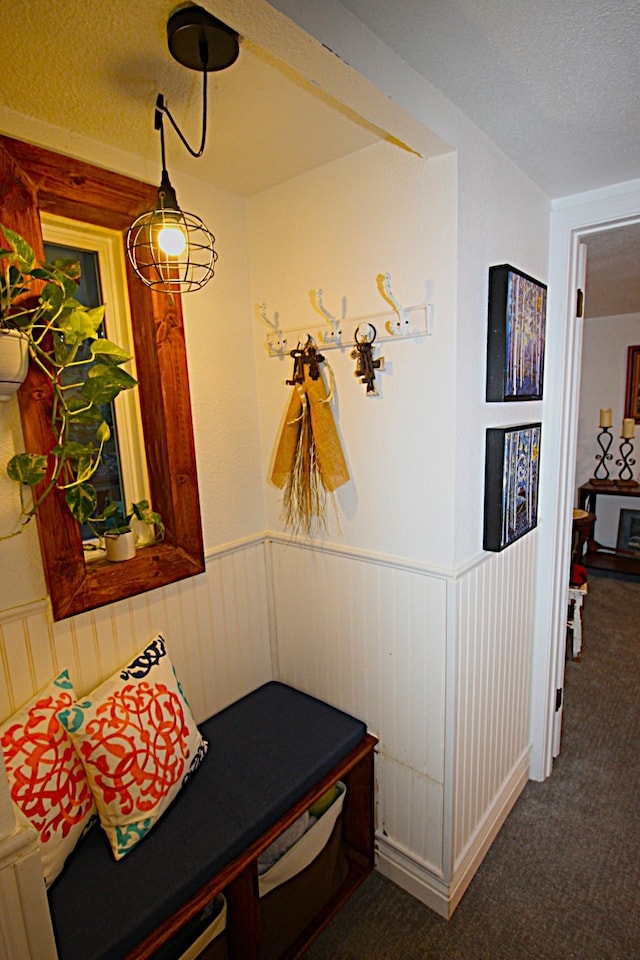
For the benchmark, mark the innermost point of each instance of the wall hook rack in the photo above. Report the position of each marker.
(403, 323)
(277, 341)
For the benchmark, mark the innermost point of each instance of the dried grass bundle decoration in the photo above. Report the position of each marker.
(309, 461)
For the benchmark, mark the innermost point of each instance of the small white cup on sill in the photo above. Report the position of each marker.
(120, 546)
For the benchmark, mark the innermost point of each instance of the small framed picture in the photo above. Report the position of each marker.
(516, 335)
(512, 468)
(632, 395)
(629, 532)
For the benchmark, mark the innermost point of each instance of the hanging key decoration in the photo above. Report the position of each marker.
(305, 356)
(366, 366)
(309, 463)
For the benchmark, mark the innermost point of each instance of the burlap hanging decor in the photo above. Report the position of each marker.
(309, 460)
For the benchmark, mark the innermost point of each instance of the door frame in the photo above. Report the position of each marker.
(573, 219)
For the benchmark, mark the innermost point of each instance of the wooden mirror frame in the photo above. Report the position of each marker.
(33, 179)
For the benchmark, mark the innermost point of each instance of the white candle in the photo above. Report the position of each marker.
(628, 428)
(605, 417)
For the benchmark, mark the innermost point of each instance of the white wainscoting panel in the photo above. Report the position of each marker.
(494, 645)
(216, 626)
(26, 932)
(439, 668)
(369, 637)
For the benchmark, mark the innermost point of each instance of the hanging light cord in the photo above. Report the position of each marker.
(170, 250)
(162, 108)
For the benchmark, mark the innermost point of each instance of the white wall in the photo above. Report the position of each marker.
(502, 217)
(603, 380)
(337, 228)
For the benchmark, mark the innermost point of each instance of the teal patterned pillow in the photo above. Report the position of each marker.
(138, 743)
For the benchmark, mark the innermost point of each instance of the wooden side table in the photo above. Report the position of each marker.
(598, 556)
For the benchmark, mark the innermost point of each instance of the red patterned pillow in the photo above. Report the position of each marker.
(138, 742)
(48, 784)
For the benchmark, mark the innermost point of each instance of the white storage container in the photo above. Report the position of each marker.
(306, 849)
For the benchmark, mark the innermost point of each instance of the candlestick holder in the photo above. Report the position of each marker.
(605, 439)
(625, 463)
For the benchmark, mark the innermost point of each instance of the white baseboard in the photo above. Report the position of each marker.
(412, 875)
(470, 859)
(416, 878)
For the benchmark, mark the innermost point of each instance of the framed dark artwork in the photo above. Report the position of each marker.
(512, 466)
(632, 394)
(629, 532)
(516, 335)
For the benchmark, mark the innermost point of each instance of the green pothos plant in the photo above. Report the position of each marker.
(38, 300)
(113, 522)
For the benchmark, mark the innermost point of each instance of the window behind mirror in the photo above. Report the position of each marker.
(121, 477)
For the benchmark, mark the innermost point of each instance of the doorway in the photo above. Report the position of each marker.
(611, 325)
(573, 220)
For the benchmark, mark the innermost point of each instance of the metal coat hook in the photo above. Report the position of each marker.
(277, 340)
(334, 335)
(401, 325)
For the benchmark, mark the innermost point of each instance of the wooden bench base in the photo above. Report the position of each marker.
(246, 929)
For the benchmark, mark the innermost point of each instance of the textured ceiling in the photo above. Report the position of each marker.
(95, 70)
(613, 272)
(554, 84)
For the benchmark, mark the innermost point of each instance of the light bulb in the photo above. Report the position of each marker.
(172, 241)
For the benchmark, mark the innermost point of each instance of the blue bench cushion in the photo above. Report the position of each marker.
(265, 752)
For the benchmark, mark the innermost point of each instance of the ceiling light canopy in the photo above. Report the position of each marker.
(169, 249)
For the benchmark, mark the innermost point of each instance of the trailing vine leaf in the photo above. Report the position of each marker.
(81, 411)
(80, 462)
(105, 381)
(109, 352)
(69, 271)
(142, 511)
(73, 450)
(82, 500)
(22, 250)
(52, 297)
(80, 324)
(29, 468)
(113, 372)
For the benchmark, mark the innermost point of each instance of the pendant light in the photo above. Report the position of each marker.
(170, 250)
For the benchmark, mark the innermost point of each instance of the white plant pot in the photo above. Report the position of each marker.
(120, 546)
(14, 362)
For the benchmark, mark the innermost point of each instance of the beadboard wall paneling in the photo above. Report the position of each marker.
(493, 675)
(390, 643)
(216, 626)
(25, 925)
(370, 638)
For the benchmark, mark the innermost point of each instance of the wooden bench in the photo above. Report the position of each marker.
(270, 756)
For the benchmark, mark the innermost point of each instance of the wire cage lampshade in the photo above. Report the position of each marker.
(170, 250)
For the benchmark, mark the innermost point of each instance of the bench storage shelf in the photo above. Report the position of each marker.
(271, 756)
